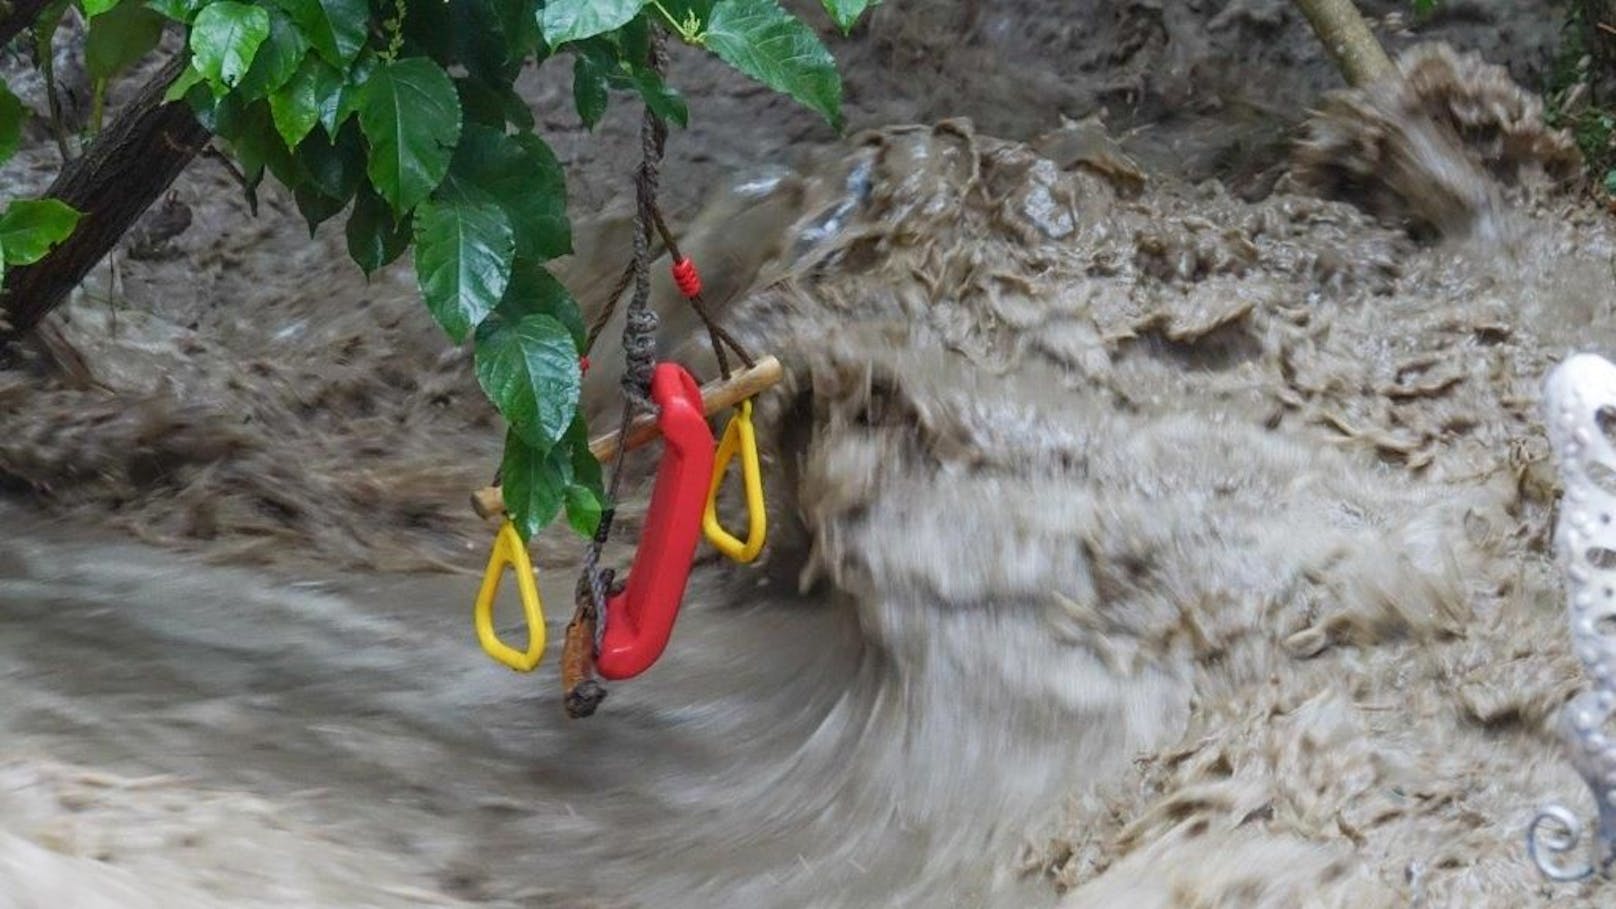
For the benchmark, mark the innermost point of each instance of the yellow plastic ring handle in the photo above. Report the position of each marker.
(738, 435)
(509, 550)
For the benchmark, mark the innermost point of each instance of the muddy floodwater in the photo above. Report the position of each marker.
(1136, 540)
(391, 764)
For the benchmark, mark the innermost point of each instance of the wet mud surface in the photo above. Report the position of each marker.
(1135, 541)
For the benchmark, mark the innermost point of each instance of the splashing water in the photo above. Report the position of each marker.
(1131, 545)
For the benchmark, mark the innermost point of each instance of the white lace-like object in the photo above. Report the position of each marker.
(1580, 398)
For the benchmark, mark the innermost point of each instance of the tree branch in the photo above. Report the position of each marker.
(128, 167)
(1348, 40)
(18, 15)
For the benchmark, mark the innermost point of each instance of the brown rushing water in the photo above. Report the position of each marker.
(1132, 545)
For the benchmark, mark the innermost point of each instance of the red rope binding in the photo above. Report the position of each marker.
(684, 275)
(583, 365)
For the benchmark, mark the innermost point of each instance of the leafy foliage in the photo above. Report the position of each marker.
(336, 28)
(404, 115)
(1578, 94)
(29, 228)
(526, 367)
(119, 39)
(762, 40)
(224, 39)
(411, 118)
(847, 12)
(463, 255)
(575, 20)
(12, 114)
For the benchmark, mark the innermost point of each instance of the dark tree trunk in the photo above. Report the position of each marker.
(17, 15)
(128, 166)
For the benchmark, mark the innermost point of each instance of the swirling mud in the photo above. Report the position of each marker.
(1132, 545)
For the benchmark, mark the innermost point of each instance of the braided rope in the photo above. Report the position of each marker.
(639, 353)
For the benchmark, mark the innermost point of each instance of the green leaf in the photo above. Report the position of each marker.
(219, 114)
(519, 27)
(698, 11)
(481, 40)
(336, 168)
(118, 39)
(12, 116)
(533, 290)
(663, 101)
(529, 369)
(183, 84)
(492, 105)
(517, 113)
(30, 227)
(295, 106)
(847, 12)
(630, 44)
(350, 92)
(479, 105)
(575, 20)
(411, 115)
(765, 42)
(178, 10)
(93, 8)
(586, 470)
(316, 207)
(601, 65)
(463, 253)
(534, 483)
(45, 26)
(583, 510)
(374, 238)
(278, 58)
(258, 145)
(588, 491)
(336, 28)
(589, 93)
(225, 38)
(524, 177)
(201, 99)
(334, 94)
(328, 174)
